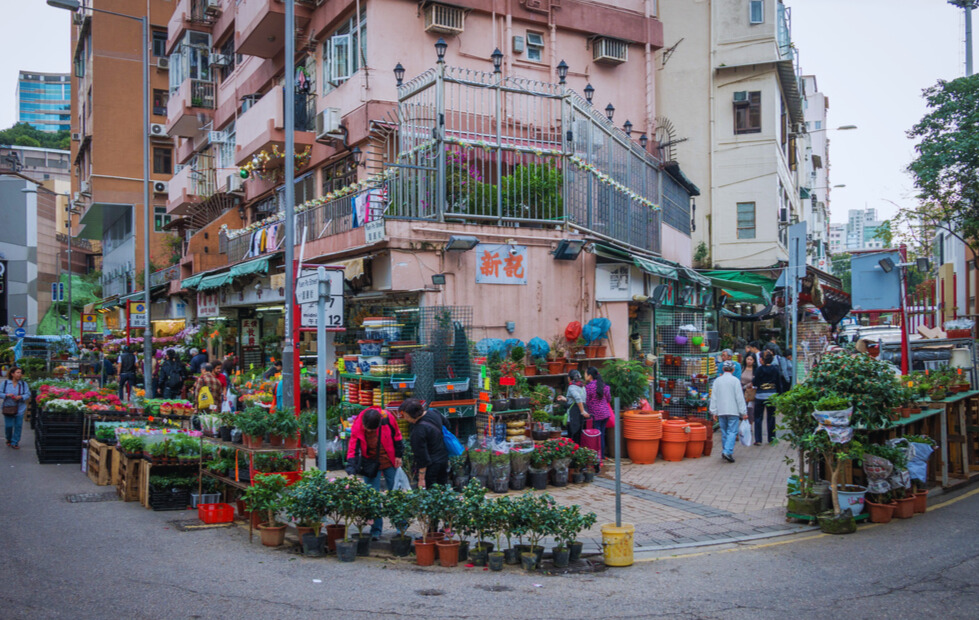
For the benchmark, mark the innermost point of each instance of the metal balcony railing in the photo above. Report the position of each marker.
(202, 94)
(162, 276)
(305, 111)
(199, 13)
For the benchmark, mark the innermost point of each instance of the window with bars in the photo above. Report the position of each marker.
(162, 160)
(338, 174)
(746, 220)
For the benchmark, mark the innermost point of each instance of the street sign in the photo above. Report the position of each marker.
(137, 315)
(89, 323)
(334, 305)
(20, 321)
(374, 231)
(333, 318)
(307, 289)
(20, 332)
(57, 291)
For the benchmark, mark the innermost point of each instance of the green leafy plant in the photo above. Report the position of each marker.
(796, 424)
(370, 506)
(517, 355)
(627, 379)
(131, 444)
(283, 422)
(870, 385)
(432, 505)
(833, 402)
(400, 507)
(266, 493)
(570, 523)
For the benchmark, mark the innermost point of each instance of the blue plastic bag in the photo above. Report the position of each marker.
(452, 444)
(538, 347)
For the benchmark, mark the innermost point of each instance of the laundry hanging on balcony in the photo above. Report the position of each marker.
(368, 206)
(264, 240)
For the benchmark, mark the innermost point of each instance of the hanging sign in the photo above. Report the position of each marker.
(207, 305)
(249, 333)
(90, 323)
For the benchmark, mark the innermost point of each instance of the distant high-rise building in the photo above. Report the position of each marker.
(44, 100)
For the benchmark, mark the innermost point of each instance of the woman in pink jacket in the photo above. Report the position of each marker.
(375, 449)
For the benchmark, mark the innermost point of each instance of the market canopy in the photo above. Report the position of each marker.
(215, 281)
(192, 281)
(744, 286)
(258, 265)
(655, 268)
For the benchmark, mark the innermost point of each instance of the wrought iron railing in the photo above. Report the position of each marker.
(162, 276)
(202, 94)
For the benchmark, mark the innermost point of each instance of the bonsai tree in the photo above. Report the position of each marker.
(517, 355)
(627, 380)
(400, 507)
(370, 506)
(836, 456)
(558, 348)
(306, 500)
(266, 493)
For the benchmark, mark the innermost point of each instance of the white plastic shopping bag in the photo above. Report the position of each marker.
(744, 432)
(401, 481)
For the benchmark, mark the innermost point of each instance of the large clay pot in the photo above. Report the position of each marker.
(672, 450)
(424, 553)
(921, 501)
(905, 508)
(448, 552)
(334, 532)
(642, 451)
(880, 513)
(555, 368)
(272, 535)
(694, 450)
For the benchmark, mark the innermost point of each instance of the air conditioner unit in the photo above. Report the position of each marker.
(158, 130)
(219, 60)
(76, 137)
(213, 7)
(328, 124)
(235, 184)
(85, 188)
(444, 19)
(160, 187)
(609, 51)
(741, 96)
(217, 137)
(163, 63)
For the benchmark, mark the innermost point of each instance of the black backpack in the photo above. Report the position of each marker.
(174, 378)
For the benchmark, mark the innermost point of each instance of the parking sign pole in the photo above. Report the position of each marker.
(323, 295)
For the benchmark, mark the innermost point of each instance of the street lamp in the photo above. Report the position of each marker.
(399, 74)
(643, 141)
(74, 5)
(440, 47)
(497, 57)
(562, 72)
(589, 92)
(609, 111)
(627, 127)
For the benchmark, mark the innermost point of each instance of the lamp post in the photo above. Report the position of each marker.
(968, 6)
(289, 360)
(75, 5)
(497, 57)
(589, 92)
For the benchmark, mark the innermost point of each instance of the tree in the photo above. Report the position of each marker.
(945, 169)
(884, 233)
(23, 134)
(841, 269)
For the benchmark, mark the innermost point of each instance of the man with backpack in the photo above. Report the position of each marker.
(207, 390)
(126, 369)
(172, 376)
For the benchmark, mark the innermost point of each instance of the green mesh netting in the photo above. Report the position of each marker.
(82, 294)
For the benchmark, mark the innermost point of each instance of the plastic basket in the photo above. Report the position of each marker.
(403, 382)
(451, 386)
(215, 513)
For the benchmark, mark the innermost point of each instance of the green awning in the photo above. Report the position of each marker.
(607, 251)
(655, 268)
(805, 193)
(259, 265)
(744, 286)
(216, 281)
(191, 282)
(689, 274)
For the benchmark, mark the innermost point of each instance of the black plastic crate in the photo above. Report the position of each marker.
(169, 499)
(57, 416)
(64, 456)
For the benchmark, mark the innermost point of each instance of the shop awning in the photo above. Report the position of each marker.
(742, 291)
(749, 295)
(692, 276)
(655, 268)
(259, 265)
(192, 281)
(215, 281)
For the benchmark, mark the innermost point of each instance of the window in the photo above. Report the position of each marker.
(756, 11)
(747, 114)
(344, 52)
(535, 46)
(162, 161)
(819, 125)
(228, 51)
(159, 43)
(160, 218)
(746, 220)
(338, 174)
(160, 100)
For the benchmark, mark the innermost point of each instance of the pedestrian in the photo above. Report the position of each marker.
(788, 371)
(172, 375)
(767, 382)
(213, 385)
(427, 445)
(16, 393)
(727, 355)
(772, 345)
(575, 414)
(754, 348)
(727, 406)
(598, 399)
(274, 369)
(375, 450)
(747, 375)
(126, 369)
(108, 370)
(197, 358)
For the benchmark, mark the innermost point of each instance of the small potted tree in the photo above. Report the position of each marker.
(540, 465)
(400, 507)
(369, 507)
(570, 523)
(266, 494)
(283, 428)
(539, 513)
(348, 497)
(306, 505)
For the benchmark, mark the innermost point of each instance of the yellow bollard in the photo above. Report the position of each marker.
(617, 544)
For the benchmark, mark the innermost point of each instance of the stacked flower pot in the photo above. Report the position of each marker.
(642, 431)
(676, 436)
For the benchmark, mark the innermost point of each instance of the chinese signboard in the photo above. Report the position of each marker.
(501, 264)
(207, 305)
(374, 231)
(249, 333)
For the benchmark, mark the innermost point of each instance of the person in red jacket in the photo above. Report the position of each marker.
(375, 450)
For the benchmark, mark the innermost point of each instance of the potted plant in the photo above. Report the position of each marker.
(283, 428)
(627, 379)
(540, 465)
(497, 519)
(589, 461)
(561, 451)
(539, 513)
(266, 493)
(253, 423)
(459, 466)
(400, 507)
(431, 508)
(306, 505)
(333, 508)
(836, 456)
(797, 425)
(570, 523)
(347, 498)
(480, 459)
(473, 503)
(555, 358)
(369, 507)
(453, 514)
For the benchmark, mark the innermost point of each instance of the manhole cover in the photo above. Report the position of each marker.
(495, 588)
(431, 592)
(80, 498)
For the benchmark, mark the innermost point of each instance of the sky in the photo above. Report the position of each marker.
(872, 58)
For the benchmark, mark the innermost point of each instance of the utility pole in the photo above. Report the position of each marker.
(289, 117)
(967, 6)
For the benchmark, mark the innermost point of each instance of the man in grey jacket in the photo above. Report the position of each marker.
(727, 406)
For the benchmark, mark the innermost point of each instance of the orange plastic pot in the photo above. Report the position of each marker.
(695, 449)
(905, 508)
(921, 501)
(642, 451)
(424, 553)
(672, 450)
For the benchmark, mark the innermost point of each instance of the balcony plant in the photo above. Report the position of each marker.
(266, 493)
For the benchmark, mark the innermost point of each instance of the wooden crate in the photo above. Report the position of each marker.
(128, 485)
(116, 459)
(144, 484)
(99, 462)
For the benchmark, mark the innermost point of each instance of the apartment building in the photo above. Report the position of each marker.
(107, 136)
(730, 99)
(817, 211)
(405, 120)
(44, 100)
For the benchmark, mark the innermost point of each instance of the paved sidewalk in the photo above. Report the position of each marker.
(693, 502)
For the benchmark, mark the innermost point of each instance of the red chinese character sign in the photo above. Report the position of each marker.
(501, 264)
(249, 333)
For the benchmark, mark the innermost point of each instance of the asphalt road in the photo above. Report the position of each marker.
(116, 560)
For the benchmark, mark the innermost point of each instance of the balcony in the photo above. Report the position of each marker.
(162, 276)
(260, 26)
(262, 127)
(189, 15)
(183, 191)
(190, 99)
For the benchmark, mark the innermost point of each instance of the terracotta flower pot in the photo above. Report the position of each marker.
(530, 371)
(272, 535)
(251, 441)
(905, 508)
(448, 552)
(642, 451)
(569, 366)
(880, 513)
(921, 501)
(276, 441)
(290, 442)
(695, 449)
(424, 553)
(555, 368)
(672, 450)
